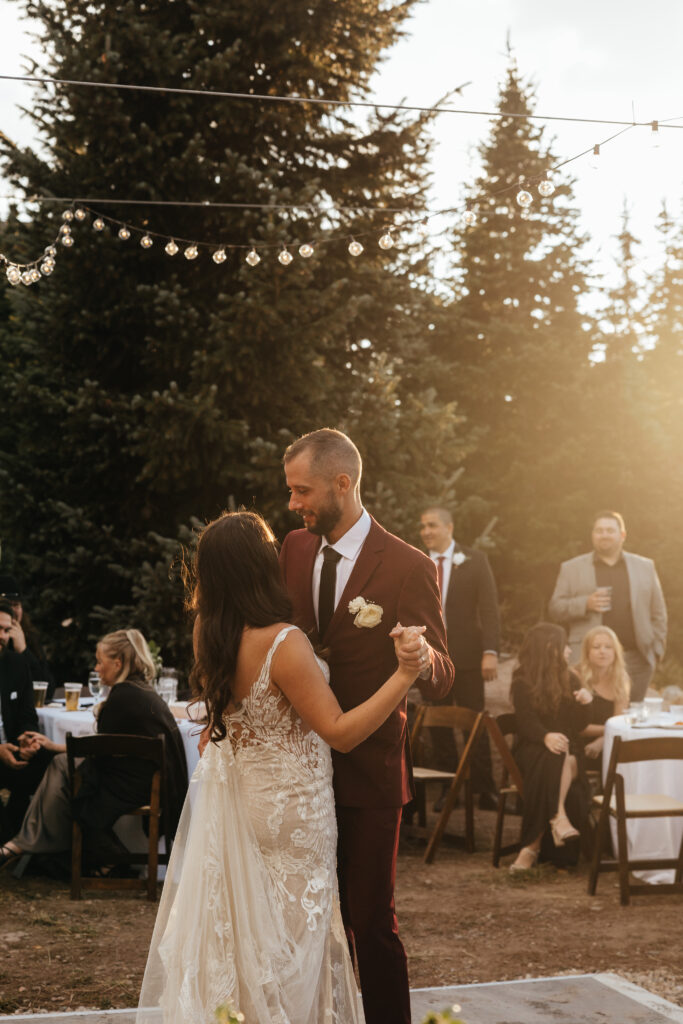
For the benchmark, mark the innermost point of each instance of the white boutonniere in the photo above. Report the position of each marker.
(459, 557)
(366, 613)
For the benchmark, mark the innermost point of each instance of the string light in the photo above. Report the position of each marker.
(67, 240)
(252, 258)
(524, 198)
(171, 248)
(386, 241)
(546, 188)
(124, 234)
(306, 251)
(191, 253)
(219, 256)
(654, 135)
(146, 242)
(469, 217)
(80, 213)
(68, 215)
(98, 224)
(285, 257)
(355, 248)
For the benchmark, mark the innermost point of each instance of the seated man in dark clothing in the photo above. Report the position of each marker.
(22, 762)
(24, 636)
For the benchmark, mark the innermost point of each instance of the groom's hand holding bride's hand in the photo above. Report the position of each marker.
(412, 650)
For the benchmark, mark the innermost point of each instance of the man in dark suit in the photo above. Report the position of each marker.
(470, 611)
(350, 581)
(22, 761)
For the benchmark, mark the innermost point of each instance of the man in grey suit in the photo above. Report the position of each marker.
(615, 588)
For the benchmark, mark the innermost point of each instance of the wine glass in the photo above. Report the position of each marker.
(95, 685)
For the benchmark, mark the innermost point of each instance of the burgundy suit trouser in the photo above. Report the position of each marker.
(366, 864)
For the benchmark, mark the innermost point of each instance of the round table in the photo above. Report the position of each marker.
(56, 722)
(653, 837)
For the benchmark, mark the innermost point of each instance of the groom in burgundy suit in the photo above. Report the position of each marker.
(344, 557)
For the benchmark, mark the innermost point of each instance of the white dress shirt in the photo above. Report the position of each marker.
(447, 566)
(349, 547)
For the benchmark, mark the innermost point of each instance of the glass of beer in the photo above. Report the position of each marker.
(39, 693)
(72, 691)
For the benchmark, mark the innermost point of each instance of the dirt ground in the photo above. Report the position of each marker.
(461, 921)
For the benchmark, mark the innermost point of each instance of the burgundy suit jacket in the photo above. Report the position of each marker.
(403, 581)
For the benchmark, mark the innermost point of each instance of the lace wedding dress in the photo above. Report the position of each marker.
(250, 911)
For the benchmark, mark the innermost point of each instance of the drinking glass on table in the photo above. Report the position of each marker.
(95, 685)
(39, 693)
(167, 684)
(72, 693)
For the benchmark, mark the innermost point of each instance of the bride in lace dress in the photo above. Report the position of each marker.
(249, 914)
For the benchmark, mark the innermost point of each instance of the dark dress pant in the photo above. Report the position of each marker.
(366, 865)
(22, 784)
(467, 692)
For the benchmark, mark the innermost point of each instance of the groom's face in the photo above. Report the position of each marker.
(312, 496)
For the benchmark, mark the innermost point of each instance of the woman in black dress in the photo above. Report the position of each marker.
(110, 786)
(603, 673)
(551, 709)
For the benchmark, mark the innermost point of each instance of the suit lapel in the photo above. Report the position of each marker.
(369, 557)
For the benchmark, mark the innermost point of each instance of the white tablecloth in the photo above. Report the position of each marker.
(57, 722)
(654, 837)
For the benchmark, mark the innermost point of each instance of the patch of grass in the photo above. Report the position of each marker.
(8, 1004)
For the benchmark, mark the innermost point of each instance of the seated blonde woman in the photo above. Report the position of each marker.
(603, 673)
(110, 785)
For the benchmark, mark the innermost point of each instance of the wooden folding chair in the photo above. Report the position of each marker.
(616, 803)
(511, 782)
(445, 716)
(118, 745)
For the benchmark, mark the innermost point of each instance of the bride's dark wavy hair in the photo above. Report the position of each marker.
(234, 582)
(542, 665)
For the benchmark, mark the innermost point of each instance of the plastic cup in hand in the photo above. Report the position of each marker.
(606, 598)
(95, 685)
(72, 692)
(39, 694)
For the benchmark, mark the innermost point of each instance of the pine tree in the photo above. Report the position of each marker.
(519, 345)
(148, 389)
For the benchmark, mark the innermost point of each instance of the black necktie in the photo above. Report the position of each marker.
(328, 583)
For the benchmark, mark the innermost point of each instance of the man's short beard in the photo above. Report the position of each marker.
(326, 520)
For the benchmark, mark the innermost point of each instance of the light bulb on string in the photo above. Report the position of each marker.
(146, 242)
(469, 218)
(386, 241)
(35, 275)
(252, 258)
(546, 188)
(64, 229)
(67, 240)
(595, 156)
(171, 248)
(26, 278)
(80, 213)
(51, 251)
(219, 256)
(306, 250)
(285, 257)
(654, 135)
(47, 267)
(191, 253)
(98, 224)
(124, 234)
(355, 248)
(524, 198)
(13, 274)
(68, 215)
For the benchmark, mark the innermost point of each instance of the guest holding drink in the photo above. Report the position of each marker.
(603, 672)
(22, 759)
(110, 786)
(551, 709)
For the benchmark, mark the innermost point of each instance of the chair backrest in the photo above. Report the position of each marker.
(147, 748)
(507, 723)
(650, 748)
(449, 716)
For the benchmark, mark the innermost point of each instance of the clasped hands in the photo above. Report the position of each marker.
(557, 742)
(412, 650)
(17, 757)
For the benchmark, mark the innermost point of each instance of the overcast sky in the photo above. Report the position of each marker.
(587, 58)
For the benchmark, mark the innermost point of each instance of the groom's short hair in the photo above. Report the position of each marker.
(331, 453)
